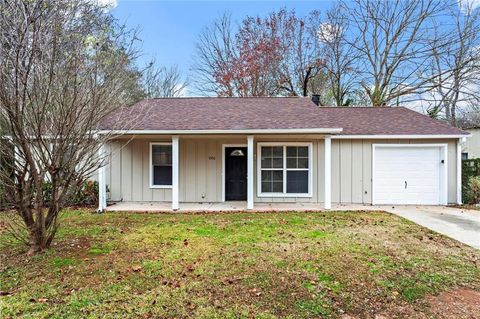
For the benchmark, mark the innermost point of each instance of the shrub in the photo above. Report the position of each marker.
(473, 190)
(86, 195)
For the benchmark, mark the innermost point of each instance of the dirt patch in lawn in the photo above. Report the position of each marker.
(457, 303)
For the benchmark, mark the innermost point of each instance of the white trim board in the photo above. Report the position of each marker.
(236, 131)
(397, 137)
(443, 200)
(459, 170)
(284, 193)
(223, 165)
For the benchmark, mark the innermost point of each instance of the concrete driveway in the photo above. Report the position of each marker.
(460, 224)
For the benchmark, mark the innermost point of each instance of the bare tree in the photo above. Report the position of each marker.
(458, 83)
(300, 69)
(163, 81)
(339, 55)
(394, 45)
(263, 56)
(216, 53)
(64, 67)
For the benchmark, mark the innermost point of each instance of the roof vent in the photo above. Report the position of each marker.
(316, 99)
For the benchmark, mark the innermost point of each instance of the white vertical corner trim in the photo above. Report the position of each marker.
(444, 176)
(250, 176)
(175, 171)
(328, 172)
(459, 170)
(102, 187)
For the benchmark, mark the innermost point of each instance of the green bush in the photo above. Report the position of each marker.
(470, 168)
(473, 192)
(86, 195)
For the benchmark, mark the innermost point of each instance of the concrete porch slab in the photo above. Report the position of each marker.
(228, 206)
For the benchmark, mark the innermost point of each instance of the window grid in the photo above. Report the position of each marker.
(152, 165)
(284, 169)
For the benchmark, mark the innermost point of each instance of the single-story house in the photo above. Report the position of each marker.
(471, 147)
(278, 149)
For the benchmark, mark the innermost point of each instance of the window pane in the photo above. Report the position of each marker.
(291, 162)
(266, 162)
(266, 151)
(266, 176)
(162, 175)
(278, 187)
(278, 163)
(303, 162)
(161, 154)
(272, 181)
(302, 151)
(291, 151)
(277, 151)
(297, 182)
(266, 187)
(278, 175)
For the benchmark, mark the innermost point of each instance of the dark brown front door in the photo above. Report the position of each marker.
(235, 173)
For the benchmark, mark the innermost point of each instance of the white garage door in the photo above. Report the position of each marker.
(408, 175)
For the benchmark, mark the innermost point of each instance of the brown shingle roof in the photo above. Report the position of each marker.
(274, 113)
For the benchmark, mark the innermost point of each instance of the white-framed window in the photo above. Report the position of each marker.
(160, 165)
(284, 169)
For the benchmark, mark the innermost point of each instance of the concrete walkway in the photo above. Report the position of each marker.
(460, 224)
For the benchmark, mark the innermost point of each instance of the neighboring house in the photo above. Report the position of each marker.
(279, 150)
(471, 147)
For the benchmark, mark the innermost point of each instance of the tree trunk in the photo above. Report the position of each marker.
(37, 239)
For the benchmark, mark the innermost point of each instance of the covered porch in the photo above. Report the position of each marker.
(204, 156)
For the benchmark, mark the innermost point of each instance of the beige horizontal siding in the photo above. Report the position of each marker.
(201, 169)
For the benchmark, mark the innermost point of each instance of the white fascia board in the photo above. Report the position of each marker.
(372, 137)
(240, 131)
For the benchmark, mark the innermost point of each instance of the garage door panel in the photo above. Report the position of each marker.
(419, 167)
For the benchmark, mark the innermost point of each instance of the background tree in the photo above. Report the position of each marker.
(299, 68)
(162, 81)
(263, 56)
(64, 66)
(216, 54)
(394, 46)
(339, 55)
(458, 83)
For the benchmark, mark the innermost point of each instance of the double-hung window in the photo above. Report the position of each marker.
(284, 169)
(160, 165)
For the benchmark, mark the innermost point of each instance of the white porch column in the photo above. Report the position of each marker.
(459, 170)
(250, 176)
(102, 186)
(328, 172)
(175, 175)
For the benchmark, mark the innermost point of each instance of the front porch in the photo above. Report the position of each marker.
(198, 173)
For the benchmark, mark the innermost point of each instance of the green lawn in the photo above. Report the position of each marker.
(238, 265)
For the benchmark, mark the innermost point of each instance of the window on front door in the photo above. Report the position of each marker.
(161, 165)
(285, 170)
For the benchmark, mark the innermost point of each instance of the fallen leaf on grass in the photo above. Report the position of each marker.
(137, 268)
(38, 300)
(256, 292)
